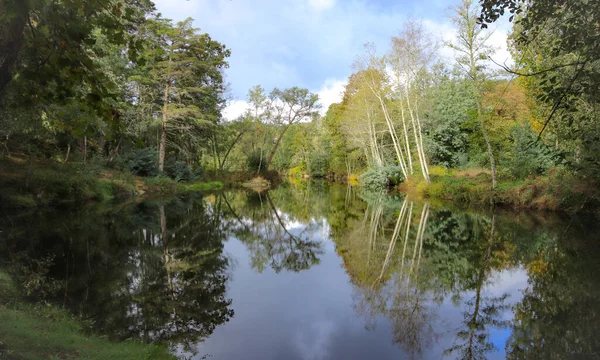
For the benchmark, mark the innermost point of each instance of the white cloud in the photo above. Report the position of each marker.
(331, 92)
(235, 109)
(321, 5)
(300, 43)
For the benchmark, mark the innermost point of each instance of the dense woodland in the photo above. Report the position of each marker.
(111, 87)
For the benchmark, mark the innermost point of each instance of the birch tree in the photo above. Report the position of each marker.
(373, 75)
(363, 120)
(411, 55)
(473, 49)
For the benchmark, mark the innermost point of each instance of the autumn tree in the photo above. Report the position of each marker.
(473, 49)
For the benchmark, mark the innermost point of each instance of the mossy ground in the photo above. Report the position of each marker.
(42, 331)
(556, 191)
(54, 184)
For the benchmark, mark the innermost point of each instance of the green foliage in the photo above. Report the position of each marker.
(31, 275)
(256, 160)
(36, 331)
(160, 181)
(318, 164)
(142, 162)
(204, 186)
(446, 127)
(528, 156)
(377, 179)
(179, 171)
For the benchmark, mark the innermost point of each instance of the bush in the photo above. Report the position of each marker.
(319, 163)
(159, 180)
(254, 160)
(180, 171)
(142, 162)
(382, 177)
(529, 156)
(32, 275)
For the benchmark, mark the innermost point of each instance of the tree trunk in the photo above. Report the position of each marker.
(488, 144)
(162, 146)
(276, 146)
(418, 143)
(13, 17)
(222, 165)
(490, 153)
(410, 164)
(390, 125)
(163, 133)
(163, 128)
(68, 152)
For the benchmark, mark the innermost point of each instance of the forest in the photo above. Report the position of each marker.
(119, 101)
(136, 218)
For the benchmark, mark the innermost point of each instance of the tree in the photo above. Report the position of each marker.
(473, 50)
(362, 120)
(410, 58)
(556, 44)
(290, 106)
(373, 76)
(186, 70)
(50, 36)
(446, 130)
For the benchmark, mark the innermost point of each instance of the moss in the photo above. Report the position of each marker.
(45, 331)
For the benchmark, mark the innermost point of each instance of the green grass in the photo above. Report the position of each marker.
(56, 184)
(165, 185)
(47, 332)
(203, 186)
(557, 191)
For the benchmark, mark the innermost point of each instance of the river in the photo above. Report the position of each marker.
(318, 271)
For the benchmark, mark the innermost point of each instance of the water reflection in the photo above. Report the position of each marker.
(268, 233)
(155, 271)
(425, 282)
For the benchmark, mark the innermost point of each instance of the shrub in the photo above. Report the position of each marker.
(529, 156)
(142, 162)
(296, 172)
(159, 180)
(319, 163)
(180, 171)
(254, 160)
(379, 178)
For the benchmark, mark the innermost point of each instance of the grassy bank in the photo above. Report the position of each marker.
(45, 183)
(43, 331)
(556, 191)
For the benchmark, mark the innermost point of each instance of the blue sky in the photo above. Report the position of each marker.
(306, 43)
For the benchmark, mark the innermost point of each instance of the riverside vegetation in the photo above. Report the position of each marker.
(138, 110)
(108, 102)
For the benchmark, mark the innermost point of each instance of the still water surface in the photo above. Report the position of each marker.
(317, 271)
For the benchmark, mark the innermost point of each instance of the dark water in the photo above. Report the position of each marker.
(312, 271)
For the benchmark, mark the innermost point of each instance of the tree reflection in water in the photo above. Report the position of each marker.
(387, 285)
(153, 271)
(156, 271)
(404, 267)
(267, 233)
(481, 312)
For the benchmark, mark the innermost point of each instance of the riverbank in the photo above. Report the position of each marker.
(43, 331)
(24, 185)
(556, 191)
